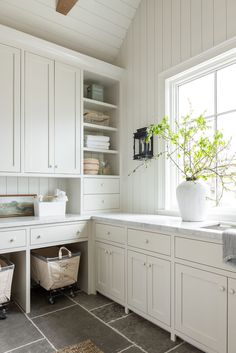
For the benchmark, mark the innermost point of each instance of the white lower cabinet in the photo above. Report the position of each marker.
(159, 289)
(231, 315)
(149, 285)
(137, 280)
(110, 271)
(201, 307)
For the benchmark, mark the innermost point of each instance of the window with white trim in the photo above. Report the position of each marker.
(209, 90)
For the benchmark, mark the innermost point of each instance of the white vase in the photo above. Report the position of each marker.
(191, 197)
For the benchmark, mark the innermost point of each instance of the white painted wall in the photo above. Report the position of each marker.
(163, 33)
(30, 185)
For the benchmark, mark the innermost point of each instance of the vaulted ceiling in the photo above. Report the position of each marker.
(93, 27)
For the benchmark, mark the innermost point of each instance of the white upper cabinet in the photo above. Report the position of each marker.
(39, 114)
(52, 116)
(10, 109)
(67, 118)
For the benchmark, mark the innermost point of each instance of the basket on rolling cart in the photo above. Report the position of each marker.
(6, 275)
(54, 271)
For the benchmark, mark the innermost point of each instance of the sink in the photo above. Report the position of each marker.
(221, 226)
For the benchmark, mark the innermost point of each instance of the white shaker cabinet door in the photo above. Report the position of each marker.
(159, 289)
(201, 307)
(39, 114)
(232, 316)
(102, 268)
(67, 119)
(137, 280)
(117, 272)
(9, 109)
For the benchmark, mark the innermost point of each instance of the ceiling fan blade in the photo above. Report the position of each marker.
(64, 6)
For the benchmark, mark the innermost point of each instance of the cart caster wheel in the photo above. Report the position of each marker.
(3, 315)
(51, 301)
(72, 294)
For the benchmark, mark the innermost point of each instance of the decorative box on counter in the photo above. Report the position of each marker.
(45, 206)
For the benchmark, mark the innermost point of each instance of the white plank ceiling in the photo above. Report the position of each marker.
(93, 27)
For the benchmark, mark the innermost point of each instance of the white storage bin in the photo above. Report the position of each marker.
(44, 209)
(52, 270)
(6, 275)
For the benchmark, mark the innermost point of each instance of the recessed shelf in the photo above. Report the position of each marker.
(97, 105)
(99, 127)
(86, 149)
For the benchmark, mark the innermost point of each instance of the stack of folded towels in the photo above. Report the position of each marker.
(97, 142)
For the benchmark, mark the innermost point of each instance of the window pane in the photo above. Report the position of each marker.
(199, 94)
(227, 124)
(226, 89)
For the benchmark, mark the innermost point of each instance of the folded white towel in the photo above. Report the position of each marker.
(97, 138)
(96, 147)
(97, 143)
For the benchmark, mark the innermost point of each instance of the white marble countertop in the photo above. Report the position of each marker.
(33, 221)
(164, 224)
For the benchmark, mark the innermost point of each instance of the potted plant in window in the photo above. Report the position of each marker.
(199, 155)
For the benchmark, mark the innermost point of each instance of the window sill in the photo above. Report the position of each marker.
(220, 214)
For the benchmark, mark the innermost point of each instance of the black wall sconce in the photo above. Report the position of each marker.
(142, 149)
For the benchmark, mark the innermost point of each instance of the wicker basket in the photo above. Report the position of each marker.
(52, 270)
(97, 118)
(6, 275)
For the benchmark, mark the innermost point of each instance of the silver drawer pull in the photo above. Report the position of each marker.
(222, 288)
(12, 240)
(38, 236)
(231, 291)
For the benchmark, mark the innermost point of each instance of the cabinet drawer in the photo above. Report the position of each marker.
(202, 252)
(156, 242)
(101, 202)
(12, 239)
(42, 235)
(110, 233)
(101, 186)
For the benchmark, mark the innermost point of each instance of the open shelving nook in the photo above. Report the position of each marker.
(109, 107)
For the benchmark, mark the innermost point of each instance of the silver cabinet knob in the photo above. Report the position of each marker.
(50, 166)
(222, 288)
(12, 240)
(108, 233)
(38, 236)
(102, 184)
(56, 166)
(232, 291)
(147, 241)
(150, 265)
(103, 201)
(144, 264)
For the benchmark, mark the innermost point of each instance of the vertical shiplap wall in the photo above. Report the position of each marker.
(163, 33)
(24, 185)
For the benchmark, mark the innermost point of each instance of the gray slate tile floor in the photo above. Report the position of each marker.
(67, 322)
